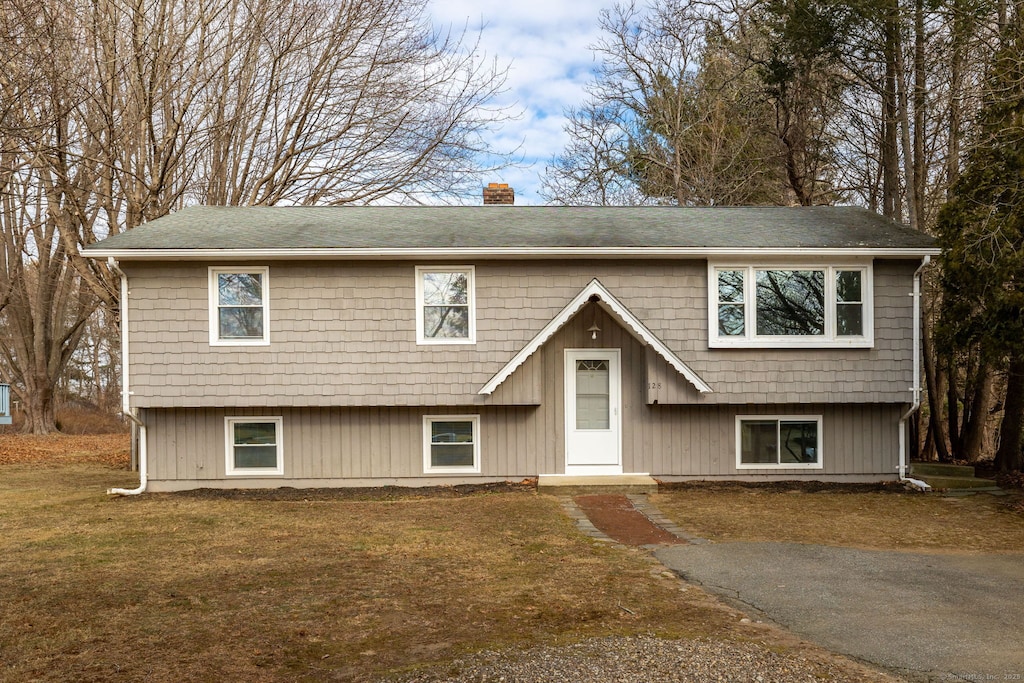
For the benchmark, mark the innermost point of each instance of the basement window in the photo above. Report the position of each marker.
(253, 446)
(451, 444)
(779, 442)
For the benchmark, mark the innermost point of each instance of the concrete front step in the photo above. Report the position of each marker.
(938, 469)
(561, 484)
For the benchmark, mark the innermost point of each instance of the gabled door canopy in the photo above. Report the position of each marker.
(597, 292)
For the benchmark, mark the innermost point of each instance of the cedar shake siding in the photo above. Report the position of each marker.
(344, 334)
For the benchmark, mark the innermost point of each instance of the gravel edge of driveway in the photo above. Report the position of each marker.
(647, 659)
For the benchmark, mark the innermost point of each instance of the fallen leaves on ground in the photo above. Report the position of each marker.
(111, 450)
(1010, 480)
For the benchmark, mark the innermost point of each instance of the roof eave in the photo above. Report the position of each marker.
(503, 252)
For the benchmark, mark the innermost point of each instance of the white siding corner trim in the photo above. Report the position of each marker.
(612, 305)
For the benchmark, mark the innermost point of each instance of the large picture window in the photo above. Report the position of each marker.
(445, 305)
(239, 306)
(800, 306)
(768, 441)
(253, 446)
(451, 443)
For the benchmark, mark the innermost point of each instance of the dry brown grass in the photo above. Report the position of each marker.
(71, 420)
(76, 420)
(179, 587)
(320, 587)
(111, 450)
(873, 520)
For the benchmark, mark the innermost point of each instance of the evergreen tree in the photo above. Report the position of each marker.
(981, 230)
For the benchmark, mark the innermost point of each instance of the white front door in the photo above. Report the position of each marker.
(593, 441)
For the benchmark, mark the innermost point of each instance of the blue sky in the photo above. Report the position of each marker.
(547, 43)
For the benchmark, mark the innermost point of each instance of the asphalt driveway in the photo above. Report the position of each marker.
(925, 616)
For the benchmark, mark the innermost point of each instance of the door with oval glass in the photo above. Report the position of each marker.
(593, 441)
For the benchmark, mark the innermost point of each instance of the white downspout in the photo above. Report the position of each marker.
(125, 392)
(915, 390)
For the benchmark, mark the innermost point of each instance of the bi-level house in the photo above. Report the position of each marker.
(356, 346)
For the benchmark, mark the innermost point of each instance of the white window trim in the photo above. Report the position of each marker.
(215, 339)
(427, 421)
(229, 447)
(828, 340)
(782, 466)
(470, 272)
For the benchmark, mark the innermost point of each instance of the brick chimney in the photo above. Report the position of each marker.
(499, 193)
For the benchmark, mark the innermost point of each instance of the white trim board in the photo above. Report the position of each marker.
(142, 254)
(607, 301)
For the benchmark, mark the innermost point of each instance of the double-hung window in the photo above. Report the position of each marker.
(451, 443)
(239, 306)
(790, 306)
(445, 305)
(253, 446)
(780, 442)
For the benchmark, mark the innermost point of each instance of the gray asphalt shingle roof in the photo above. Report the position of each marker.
(487, 227)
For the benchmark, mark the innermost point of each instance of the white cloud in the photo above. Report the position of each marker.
(547, 43)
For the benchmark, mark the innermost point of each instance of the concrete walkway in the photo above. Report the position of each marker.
(925, 616)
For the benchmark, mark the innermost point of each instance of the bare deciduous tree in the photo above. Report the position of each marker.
(115, 112)
(685, 118)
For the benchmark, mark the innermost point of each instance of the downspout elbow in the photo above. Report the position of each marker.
(143, 462)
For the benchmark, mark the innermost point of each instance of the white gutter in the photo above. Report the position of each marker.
(506, 252)
(915, 390)
(125, 392)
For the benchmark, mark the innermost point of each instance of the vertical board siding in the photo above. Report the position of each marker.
(337, 444)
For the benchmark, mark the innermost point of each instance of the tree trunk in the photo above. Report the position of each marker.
(934, 381)
(40, 408)
(959, 36)
(920, 103)
(892, 206)
(952, 408)
(1008, 455)
(973, 436)
(903, 114)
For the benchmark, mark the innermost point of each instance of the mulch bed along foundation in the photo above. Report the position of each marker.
(618, 519)
(361, 493)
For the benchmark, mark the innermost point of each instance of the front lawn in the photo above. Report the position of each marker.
(353, 586)
(832, 515)
(190, 587)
